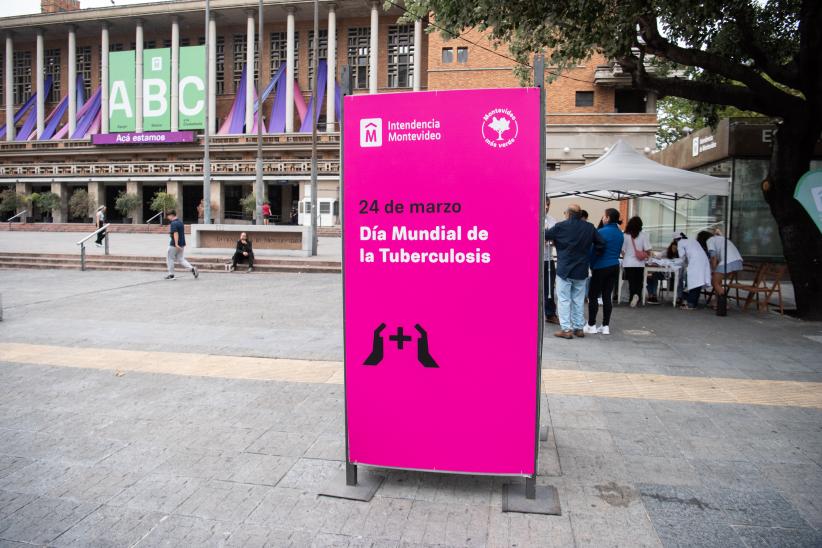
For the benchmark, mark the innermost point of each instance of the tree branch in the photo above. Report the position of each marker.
(787, 74)
(771, 95)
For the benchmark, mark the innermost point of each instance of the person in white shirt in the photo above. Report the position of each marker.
(715, 246)
(549, 270)
(697, 270)
(636, 248)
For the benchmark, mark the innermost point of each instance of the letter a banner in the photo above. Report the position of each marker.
(192, 99)
(121, 91)
(442, 227)
(156, 89)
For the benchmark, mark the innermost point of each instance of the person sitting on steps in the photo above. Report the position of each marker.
(243, 253)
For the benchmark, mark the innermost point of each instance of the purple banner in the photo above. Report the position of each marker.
(145, 138)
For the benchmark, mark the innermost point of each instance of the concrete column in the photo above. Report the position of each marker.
(41, 96)
(72, 80)
(60, 215)
(417, 54)
(372, 63)
(138, 101)
(97, 193)
(249, 67)
(218, 211)
(104, 44)
(175, 74)
(175, 188)
(9, 74)
(212, 76)
(285, 207)
(133, 187)
(330, 103)
(289, 72)
(650, 102)
(25, 189)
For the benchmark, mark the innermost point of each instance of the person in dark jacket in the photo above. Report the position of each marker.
(243, 253)
(604, 273)
(573, 239)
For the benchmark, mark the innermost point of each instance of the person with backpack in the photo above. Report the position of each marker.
(636, 248)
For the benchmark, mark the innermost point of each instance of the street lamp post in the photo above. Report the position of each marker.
(258, 184)
(314, 111)
(207, 130)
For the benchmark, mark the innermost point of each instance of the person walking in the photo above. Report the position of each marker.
(266, 213)
(636, 248)
(549, 270)
(573, 239)
(177, 246)
(100, 222)
(604, 274)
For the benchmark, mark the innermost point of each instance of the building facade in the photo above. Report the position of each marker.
(588, 108)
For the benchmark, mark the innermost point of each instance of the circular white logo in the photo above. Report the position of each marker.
(499, 128)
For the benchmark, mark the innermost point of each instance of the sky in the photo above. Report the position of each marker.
(24, 7)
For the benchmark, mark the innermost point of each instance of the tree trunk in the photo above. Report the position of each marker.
(801, 240)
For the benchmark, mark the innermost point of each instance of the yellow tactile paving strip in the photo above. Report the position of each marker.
(555, 381)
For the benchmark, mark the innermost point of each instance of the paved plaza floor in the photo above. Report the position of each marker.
(138, 412)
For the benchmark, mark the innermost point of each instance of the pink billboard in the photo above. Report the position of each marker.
(442, 238)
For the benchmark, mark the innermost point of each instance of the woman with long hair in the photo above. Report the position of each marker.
(636, 248)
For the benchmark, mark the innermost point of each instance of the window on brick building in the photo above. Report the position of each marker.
(51, 66)
(147, 44)
(84, 68)
(22, 76)
(239, 50)
(629, 100)
(447, 55)
(2, 77)
(279, 50)
(359, 48)
(111, 47)
(183, 42)
(584, 99)
(400, 56)
(322, 51)
(462, 55)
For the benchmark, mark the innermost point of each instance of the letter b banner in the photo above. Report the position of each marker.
(156, 91)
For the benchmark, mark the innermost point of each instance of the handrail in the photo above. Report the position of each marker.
(158, 215)
(82, 244)
(10, 219)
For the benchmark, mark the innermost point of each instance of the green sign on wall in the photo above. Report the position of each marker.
(809, 193)
(192, 99)
(121, 94)
(156, 89)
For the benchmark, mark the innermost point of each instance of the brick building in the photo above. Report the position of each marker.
(588, 108)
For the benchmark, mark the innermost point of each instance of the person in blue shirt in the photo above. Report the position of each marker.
(604, 273)
(177, 246)
(573, 239)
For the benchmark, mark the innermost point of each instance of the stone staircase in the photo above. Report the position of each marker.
(157, 264)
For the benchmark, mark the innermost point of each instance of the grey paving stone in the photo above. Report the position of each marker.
(765, 537)
(257, 536)
(661, 470)
(37, 478)
(594, 440)
(759, 507)
(223, 501)
(589, 466)
(11, 502)
(172, 531)
(9, 464)
(43, 520)
(157, 493)
(328, 447)
(310, 474)
(284, 444)
(110, 526)
(728, 474)
(275, 507)
(604, 530)
(94, 484)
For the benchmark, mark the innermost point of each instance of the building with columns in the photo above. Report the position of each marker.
(53, 64)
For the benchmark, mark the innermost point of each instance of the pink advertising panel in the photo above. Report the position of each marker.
(442, 239)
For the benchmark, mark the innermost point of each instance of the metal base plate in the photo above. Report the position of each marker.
(367, 485)
(546, 501)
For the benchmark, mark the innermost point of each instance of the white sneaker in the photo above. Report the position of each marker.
(634, 301)
(604, 330)
(599, 301)
(589, 329)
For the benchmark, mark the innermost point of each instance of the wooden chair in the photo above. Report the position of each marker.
(767, 281)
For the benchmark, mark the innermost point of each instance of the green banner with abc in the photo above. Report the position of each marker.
(156, 89)
(192, 100)
(122, 92)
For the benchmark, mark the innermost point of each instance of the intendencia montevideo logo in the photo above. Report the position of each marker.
(500, 128)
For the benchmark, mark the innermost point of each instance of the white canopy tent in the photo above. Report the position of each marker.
(623, 173)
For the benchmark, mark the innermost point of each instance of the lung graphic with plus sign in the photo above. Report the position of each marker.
(399, 338)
